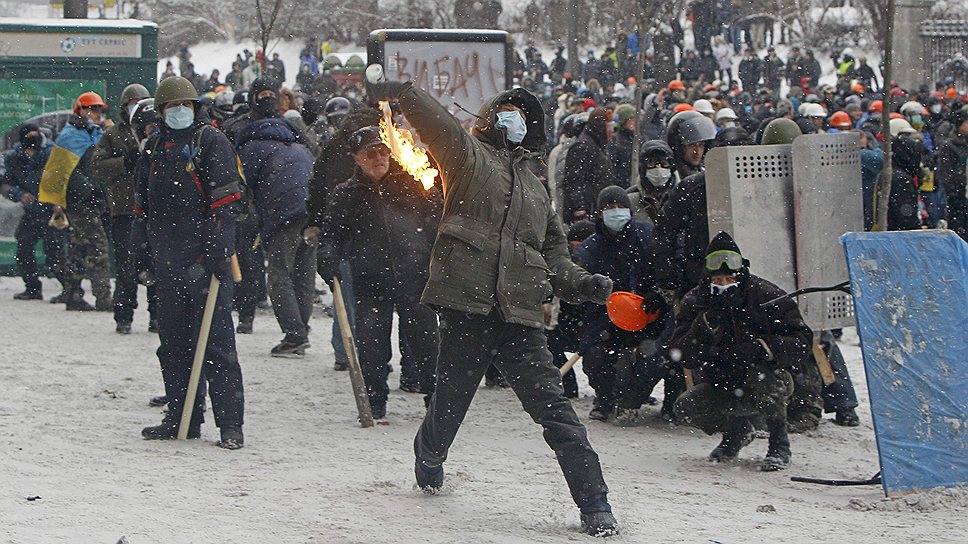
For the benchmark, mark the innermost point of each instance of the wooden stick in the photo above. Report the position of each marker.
(200, 346)
(356, 373)
(571, 362)
(687, 372)
(236, 271)
(826, 371)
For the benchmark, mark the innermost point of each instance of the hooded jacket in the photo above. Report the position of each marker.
(277, 169)
(903, 207)
(22, 174)
(647, 199)
(587, 169)
(951, 176)
(681, 234)
(779, 326)
(500, 244)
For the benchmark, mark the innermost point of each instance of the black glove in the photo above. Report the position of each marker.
(716, 319)
(596, 288)
(131, 159)
(219, 248)
(668, 295)
(653, 302)
(745, 354)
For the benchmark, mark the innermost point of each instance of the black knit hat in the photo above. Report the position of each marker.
(580, 230)
(613, 194)
(723, 242)
(263, 84)
(25, 129)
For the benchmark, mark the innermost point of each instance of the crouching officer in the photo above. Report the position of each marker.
(187, 200)
(741, 351)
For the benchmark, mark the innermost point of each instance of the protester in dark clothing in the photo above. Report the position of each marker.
(587, 168)
(750, 70)
(903, 210)
(741, 351)
(383, 223)
(23, 168)
(950, 173)
(620, 146)
(773, 72)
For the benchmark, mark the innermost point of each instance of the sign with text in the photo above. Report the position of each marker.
(69, 44)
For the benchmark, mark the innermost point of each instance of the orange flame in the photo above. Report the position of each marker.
(412, 158)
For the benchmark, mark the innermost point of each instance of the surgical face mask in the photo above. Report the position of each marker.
(179, 117)
(616, 218)
(658, 176)
(717, 290)
(513, 125)
(729, 124)
(936, 109)
(917, 121)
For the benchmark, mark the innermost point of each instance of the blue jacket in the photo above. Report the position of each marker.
(277, 169)
(23, 173)
(626, 258)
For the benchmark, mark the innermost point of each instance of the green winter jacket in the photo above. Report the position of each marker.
(108, 164)
(500, 243)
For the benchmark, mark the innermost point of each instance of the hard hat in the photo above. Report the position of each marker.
(901, 126)
(223, 100)
(173, 89)
(815, 110)
(135, 91)
(876, 105)
(625, 311)
(912, 108)
(88, 99)
(676, 85)
(726, 114)
(840, 120)
(780, 131)
(857, 88)
(689, 127)
(703, 106)
(337, 106)
(683, 106)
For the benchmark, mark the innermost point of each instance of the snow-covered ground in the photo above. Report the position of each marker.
(74, 401)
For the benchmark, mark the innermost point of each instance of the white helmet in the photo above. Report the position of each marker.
(912, 108)
(703, 106)
(726, 114)
(814, 110)
(901, 126)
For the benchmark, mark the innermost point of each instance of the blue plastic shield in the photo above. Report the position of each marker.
(910, 294)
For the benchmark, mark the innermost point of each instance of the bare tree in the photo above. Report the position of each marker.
(267, 14)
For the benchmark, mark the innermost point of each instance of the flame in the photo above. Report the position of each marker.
(412, 158)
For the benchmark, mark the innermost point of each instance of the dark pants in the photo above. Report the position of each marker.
(126, 276)
(468, 344)
(182, 291)
(556, 345)
(292, 280)
(253, 266)
(374, 323)
(33, 227)
(765, 394)
(839, 395)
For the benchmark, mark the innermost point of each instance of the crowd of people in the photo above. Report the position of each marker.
(503, 266)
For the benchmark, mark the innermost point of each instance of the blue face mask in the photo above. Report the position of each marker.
(179, 117)
(616, 218)
(513, 125)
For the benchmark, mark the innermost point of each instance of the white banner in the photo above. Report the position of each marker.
(67, 44)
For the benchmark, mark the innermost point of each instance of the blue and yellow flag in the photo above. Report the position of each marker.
(69, 147)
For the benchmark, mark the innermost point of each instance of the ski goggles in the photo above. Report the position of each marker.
(731, 259)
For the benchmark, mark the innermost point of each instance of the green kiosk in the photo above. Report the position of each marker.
(46, 63)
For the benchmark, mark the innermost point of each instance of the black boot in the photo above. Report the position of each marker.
(245, 325)
(429, 478)
(737, 434)
(601, 409)
(596, 516)
(29, 295)
(168, 430)
(778, 454)
(847, 417)
(160, 400)
(231, 437)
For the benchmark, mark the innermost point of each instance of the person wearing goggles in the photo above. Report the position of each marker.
(741, 352)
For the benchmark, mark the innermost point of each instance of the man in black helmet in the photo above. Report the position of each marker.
(500, 253)
(742, 351)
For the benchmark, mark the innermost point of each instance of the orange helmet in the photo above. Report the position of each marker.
(88, 99)
(876, 105)
(683, 106)
(857, 88)
(677, 85)
(625, 311)
(951, 93)
(840, 120)
(895, 115)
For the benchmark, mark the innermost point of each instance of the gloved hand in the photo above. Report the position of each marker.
(668, 295)
(311, 236)
(219, 248)
(653, 302)
(745, 354)
(131, 159)
(596, 288)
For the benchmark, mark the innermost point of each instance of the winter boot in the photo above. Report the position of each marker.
(778, 454)
(341, 366)
(290, 348)
(29, 295)
(153, 325)
(245, 325)
(62, 297)
(123, 327)
(429, 478)
(103, 305)
(738, 433)
(231, 437)
(168, 430)
(601, 409)
(78, 304)
(847, 418)
(160, 400)
(596, 516)
(626, 417)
